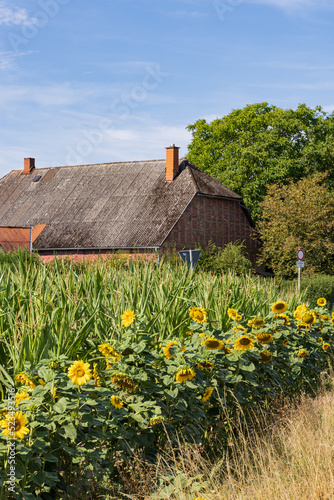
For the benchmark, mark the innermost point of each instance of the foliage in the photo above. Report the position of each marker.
(262, 145)
(222, 260)
(321, 285)
(72, 426)
(21, 255)
(298, 215)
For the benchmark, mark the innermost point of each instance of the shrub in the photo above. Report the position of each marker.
(321, 285)
(221, 260)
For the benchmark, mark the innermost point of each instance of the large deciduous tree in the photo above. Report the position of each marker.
(262, 145)
(298, 215)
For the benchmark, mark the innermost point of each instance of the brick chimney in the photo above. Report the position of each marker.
(29, 165)
(172, 162)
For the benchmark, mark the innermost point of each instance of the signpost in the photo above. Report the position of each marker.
(190, 257)
(300, 264)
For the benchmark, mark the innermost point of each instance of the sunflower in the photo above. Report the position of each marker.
(109, 352)
(332, 321)
(128, 317)
(96, 376)
(166, 350)
(116, 402)
(21, 377)
(157, 419)
(325, 346)
(285, 342)
(285, 317)
(190, 333)
(307, 319)
(265, 357)
(232, 313)
(299, 311)
(212, 343)
(240, 327)
(205, 365)
(227, 349)
(243, 343)
(123, 381)
(321, 302)
(302, 353)
(320, 340)
(20, 396)
(79, 372)
(279, 307)
(207, 394)
(19, 425)
(256, 322)
(184, 374)
(264, 338)
(198, 314)
(325, 317)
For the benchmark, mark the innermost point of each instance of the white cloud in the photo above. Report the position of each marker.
(292, 5)
(14, 17)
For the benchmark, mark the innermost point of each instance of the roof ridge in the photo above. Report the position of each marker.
(91, 165)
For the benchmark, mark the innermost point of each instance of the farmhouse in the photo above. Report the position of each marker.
(140, 206)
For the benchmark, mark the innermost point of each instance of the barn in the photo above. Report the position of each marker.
(135, 207)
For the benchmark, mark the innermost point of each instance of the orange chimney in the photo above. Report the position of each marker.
(172, 162)
(29, 165)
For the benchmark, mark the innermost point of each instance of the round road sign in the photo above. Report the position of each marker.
(300, 254)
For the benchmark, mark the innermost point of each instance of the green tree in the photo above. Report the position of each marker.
(298, 215)
(260, 145)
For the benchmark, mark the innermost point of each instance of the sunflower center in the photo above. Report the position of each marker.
(80, 373)
(308, 318)
(17, 425)
(245, 341)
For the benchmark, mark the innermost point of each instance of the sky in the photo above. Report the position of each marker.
(119, 80)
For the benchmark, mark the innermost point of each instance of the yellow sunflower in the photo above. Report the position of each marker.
(320, 340)
(184, 374)
(227, 349)
(256, 322)
(240, 328)
(128, 317)
(205, 365)
(212, 343)
(321, 302)
(116, 402)
(96, 376)
(207, 394)
(285, 342)
(79, 372)
(265, 357)
(16, 429)
(243, 343)
(198, 314)
(325, 346)
(109, 352)
(299, 311)
(307, 319)
(232, 313)
(302, 353)
(123, 381)
(279, 307)
(157, 419)
(20, 396)
(325, 317)
(264, 338)
(21, 377)
(166, 350)
(190, 333)
(285, 317)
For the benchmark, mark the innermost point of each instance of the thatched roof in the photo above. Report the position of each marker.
(109, 205)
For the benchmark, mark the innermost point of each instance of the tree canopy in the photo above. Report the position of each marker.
(298, 215)
(261, 145)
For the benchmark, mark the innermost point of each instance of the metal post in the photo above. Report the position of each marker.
(298, 279)
(191, 259)
(30, 245)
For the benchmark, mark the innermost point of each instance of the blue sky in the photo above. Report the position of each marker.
(119, 80)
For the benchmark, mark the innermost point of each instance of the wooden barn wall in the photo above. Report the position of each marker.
(218, 220)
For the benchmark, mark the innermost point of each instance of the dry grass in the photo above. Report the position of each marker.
(289, 458)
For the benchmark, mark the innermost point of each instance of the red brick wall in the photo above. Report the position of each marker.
(220, 221)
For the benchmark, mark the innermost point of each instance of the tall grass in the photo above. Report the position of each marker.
(290, 456)
(50, 310)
